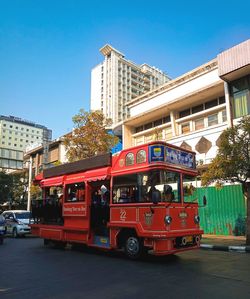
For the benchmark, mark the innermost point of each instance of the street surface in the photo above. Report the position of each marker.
(30, 270)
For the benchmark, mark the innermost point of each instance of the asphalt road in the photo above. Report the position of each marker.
(30, 270)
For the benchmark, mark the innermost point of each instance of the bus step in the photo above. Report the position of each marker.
(101, 241)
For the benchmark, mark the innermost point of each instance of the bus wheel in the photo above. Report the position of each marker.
(133, 247)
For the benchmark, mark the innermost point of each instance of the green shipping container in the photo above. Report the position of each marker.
(225, 212)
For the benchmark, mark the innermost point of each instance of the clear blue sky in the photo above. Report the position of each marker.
(48, 47)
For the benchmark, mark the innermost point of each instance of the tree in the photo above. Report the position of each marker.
(35, 192)
(232, 162)
(89, 136)
(5, 187)
(19, 187)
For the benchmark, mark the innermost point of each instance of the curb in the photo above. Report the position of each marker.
(245, 249)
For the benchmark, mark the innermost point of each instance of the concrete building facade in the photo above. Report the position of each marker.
(192, 110)
(116, 81)
(16, 135)
(56, 155)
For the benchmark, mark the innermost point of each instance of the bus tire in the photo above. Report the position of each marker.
(133, 247)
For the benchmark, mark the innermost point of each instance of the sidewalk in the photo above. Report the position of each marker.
(224, 243)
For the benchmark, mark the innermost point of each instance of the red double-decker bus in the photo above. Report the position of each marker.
(141, 199)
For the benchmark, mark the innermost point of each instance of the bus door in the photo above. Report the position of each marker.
(99, 207)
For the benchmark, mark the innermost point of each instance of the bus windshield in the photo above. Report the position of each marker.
(146, 186)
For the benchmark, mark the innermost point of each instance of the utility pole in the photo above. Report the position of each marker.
(46, 139)
(29, 185)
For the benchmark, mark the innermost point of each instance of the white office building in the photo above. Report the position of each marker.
(116, 81)
(16, 135)
(192, 110)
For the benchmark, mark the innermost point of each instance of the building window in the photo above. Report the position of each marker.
(211, 104)
(148, 126)
(224, 116)
(199, 124)
(137, 130)
(222, 100)
(184, 113)
(197, 109)
(139, 140)
(212, 119)
(157, 122)
(168, 133)
(148, 138)
(241, 104)
(241, 98)
(166, 119)
(185, 128)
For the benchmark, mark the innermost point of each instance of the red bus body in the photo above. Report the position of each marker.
(133, 220)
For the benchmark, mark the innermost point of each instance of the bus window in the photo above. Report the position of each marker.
(139, 187)
(165, 183)
(75, 192)
(52, 194)
(124, 188)
(189, 190)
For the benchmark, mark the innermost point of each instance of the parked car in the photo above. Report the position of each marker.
(17, 222)
(2, 228)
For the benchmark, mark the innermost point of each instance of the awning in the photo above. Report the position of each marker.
(98, 174)
(56, 181)
(75, 178)
(38, 178)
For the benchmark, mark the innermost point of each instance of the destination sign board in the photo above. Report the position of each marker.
(162, 153)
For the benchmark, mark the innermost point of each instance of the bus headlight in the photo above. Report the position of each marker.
(197, 219)
(168, 219)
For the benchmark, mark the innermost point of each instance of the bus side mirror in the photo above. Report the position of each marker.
(204, 200)
(155, 197)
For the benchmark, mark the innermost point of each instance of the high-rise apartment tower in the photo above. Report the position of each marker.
(116, 81)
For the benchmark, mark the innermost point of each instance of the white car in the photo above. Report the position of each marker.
(17, 222)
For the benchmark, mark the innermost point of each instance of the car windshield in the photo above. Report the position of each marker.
(24, 215)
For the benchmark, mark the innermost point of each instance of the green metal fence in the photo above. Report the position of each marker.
(225, 213)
